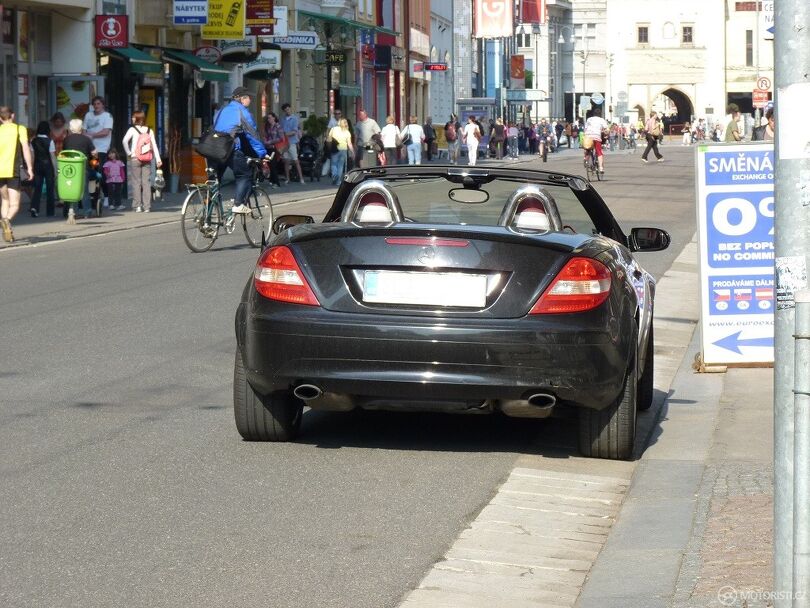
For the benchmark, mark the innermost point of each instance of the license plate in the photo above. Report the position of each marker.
(425, 288)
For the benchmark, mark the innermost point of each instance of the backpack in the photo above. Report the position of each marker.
(143, 147)
(450, 132)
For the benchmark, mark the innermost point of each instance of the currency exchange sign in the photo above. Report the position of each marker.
(736, 237)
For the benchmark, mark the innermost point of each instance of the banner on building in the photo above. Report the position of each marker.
(112, 31)
(493, 19)
(259, 19)
(226, 20)
(517, 72)
(532, 11)
(190, 12)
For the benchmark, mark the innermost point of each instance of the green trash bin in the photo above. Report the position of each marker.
(70, 181)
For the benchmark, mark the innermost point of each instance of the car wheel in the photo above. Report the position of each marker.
(611, 432)
(645, 384)
(263, 418)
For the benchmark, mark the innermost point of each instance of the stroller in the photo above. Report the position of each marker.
(310, 157)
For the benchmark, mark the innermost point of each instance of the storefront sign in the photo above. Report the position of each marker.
(493, 18)
(210, 53)
(226, 20)
(245, 46)
(736, 230)
(190, 12)
(435, 67)
(335, 57)
(419, 42)
(112, 31)
(297, 40)
(281, 15)
(259, 18)
(23, 36)
(267, 61)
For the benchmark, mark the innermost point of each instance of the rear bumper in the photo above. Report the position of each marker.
(418, 358)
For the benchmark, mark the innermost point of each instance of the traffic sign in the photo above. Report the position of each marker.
(763, 82)
(760, 98)
(597, 99)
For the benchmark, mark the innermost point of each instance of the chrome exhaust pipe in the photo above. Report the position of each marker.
(542, 401)
(307, 392)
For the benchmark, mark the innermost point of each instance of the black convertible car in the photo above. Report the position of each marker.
(451, 289)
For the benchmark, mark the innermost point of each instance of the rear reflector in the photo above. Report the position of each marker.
(581, 285)
(426, 241)
(278, 277)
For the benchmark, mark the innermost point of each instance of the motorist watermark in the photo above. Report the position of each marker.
(731, 596)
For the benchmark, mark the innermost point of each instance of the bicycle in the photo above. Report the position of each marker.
(203, 212)
(592, 165)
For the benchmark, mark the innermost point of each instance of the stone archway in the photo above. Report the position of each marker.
(642, 113)
(683, 105)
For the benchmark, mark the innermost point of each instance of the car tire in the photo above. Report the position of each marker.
(645, 383)
(610, 433)
(274, 417)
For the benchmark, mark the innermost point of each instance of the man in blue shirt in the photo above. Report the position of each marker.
(235, 119)
(291, 126)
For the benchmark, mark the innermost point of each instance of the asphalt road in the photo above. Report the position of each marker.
(125, 482)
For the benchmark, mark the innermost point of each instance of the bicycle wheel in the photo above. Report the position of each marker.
(200, 221)
(589, 168)
(259, 219)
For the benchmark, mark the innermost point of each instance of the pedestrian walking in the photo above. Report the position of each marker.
(98, 125)
(78, 141)
(652, 131)
(364, 130)
(499, 135)
(767, 131)
(430, 137)
(141, 149)
(567, 131)
(44, 172)
(391, 138)
(342, 139)
(686, 140)
(16, 165)
(512, 133)
(471, 135)
(452, 133)
(291, 126)
(733, 125)
(412, 138)
(115, 175)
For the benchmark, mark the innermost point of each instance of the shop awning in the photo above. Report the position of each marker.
(140, 62)
(207, 70)
(350, 23)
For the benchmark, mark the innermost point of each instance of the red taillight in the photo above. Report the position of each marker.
(581, 285)
(278, 277)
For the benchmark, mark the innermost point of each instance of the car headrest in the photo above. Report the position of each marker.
(531, 207)
(531, 214)
(372, 202)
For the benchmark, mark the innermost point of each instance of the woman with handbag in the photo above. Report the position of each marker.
(390, 138)
(340, 138)
(43, 169)
(14, 149)
(412, 138)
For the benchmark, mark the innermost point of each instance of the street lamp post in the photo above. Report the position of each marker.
(583, 53)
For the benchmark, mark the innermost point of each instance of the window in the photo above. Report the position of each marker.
(643, 34)
(749, 47)
(686, 35)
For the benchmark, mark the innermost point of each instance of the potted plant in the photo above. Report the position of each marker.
(315, 126)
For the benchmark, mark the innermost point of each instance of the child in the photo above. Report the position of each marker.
(114, 175)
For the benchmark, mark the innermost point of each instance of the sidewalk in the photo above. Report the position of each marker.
(696, 528)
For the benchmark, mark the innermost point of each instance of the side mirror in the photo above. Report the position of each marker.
(648, 239)
(283, 222)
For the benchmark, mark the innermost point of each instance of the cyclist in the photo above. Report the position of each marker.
(233, 118)
(595, 126)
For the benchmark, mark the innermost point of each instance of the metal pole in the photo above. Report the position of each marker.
(791, 228)
(801, 455)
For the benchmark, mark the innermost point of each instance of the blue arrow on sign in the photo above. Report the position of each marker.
(733, 342)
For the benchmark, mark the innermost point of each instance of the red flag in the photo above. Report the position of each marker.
(533, 11)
